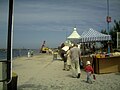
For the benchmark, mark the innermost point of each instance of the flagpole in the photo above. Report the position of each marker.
(108, 19)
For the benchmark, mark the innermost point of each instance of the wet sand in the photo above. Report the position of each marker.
(41, 72)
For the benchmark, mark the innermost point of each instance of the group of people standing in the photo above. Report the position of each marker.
(72, 60)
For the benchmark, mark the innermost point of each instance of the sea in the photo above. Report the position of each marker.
(17, 53)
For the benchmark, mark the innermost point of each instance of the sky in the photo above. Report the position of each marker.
(54, 20)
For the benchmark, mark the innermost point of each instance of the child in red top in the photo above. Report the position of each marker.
(89, 71)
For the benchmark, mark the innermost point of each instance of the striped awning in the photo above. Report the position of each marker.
(92, 35)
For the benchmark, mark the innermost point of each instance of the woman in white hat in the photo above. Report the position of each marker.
(89, 71)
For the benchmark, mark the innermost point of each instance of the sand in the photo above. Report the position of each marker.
(41, 72)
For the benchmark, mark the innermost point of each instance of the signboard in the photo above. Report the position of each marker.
(118, 40)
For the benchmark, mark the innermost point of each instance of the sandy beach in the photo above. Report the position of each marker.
(41, 72)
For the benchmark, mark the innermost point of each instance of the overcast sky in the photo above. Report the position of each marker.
(53, 20)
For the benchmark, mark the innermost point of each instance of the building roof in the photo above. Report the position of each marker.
(74, 35)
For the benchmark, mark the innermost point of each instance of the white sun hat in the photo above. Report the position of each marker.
(88, 62)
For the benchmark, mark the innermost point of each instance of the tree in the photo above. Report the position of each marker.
(113, 32)
(104, 31)
(117, 26)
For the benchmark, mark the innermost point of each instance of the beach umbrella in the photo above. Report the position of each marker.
(65, 48)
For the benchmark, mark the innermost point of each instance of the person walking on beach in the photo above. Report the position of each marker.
(89, 71)
(63, 56)
(29, 55)
(74, 55)
(68, 59)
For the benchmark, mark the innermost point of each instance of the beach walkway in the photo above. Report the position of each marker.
(41, 72)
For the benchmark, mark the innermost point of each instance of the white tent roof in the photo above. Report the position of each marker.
(74, 35)
(92, 35)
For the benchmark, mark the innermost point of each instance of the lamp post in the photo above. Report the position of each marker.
(65, 31)
(66, 34)
(9, 44)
